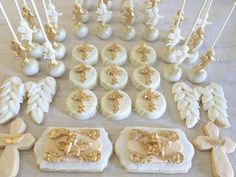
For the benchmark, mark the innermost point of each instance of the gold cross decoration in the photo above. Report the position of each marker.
(20, 50)
(78, 12)
(51, 33)
(28, 16)
(196, 39)
(80, 98)
(113, 49)
(128, 15)
(150, 96)
(114, 71)
(84, 49)
(176, 19)
(82, 69)
(219, 147)
(143, 50)
(147, 72)
(115, 97)
(206, 59)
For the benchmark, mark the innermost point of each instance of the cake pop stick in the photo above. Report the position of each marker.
(198, 74)
(55, 68)
(30, 66)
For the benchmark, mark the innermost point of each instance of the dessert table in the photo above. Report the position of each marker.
(222, 72)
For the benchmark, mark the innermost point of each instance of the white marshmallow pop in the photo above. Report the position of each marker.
(114, 54)
(82, 104)
(146, 77)
(116, 105)
(150, 104)
(73, 150)
(143, 55)
(113, 78)
(154, 150)
(86, 54)
(83, 76)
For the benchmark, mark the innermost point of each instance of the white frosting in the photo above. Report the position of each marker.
(30, 67)
(167, 54)
(88, 4)
(187, 103)
(81, 31)
(172, 73)
(104, 15)
(106, 79)
(49, 52)
(125, 106)
(25, 31)
(53, 14)
(151, 34)
(138, 79)
(167, 168)
(136, 58)
(36, 51)
(127, 33)
(77, 165)
(174, 37)
(57, 69)
(40, 95)
(193, 59)
(152, 16)
(197, 76)
(12, 92)
(121, 56)
(214, 102)
(38, 37)
(142, 106)
(91, 78)
(109, 4)
(61, 34)
(104, 32)
(90, 106)
(91, 59)
(60, 50)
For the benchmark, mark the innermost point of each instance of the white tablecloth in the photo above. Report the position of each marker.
(222, 72)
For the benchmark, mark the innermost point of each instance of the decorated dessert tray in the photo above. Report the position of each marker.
(117, 88)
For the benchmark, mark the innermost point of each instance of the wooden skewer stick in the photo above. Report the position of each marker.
(181, 11)
(18, 10)
(222, 28)
(195, 23)
(24, 1)
(45, 9)
(207, 11)
(8, 22)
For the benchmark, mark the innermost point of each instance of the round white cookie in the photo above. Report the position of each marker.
(83, 76)
(82, 104)
(142, 55)
(116, 105)
(114, 78)
(146, 77)
(150, 104)
(114, 54)
(85, 53)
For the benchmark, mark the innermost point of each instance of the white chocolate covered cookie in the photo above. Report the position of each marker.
(116, 105)
(113, 78)
(83, 76)
(146, 77)
(150, 104)
(86, 54)
(142, 55)
(114, 54)
(82, 104)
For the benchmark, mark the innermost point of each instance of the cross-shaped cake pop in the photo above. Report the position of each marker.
(13, 142)
(219, 147)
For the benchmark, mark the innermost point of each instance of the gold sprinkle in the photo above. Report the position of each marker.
(151, 96)
(176, 19)
(80, 98)
(93, 133)
(84, 49)
(113, 49)
(143, 50)
(128, 15)
(115, 97)
(28, 15)
(20, 50)
(54, 157)
(13, 139)
(206, 59)
(195, 39)
(78, 12)
(51, 33)
(114, 71)
(82, 70)
(147, 71)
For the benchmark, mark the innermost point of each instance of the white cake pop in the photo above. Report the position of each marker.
(104, 30)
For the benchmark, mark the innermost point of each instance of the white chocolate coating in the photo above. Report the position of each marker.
(60, 50)
(104, 32)
(38, 37)
(151, 34)
(90, 108)
(136, 58)
(106, 79)
(36, 51)
(56, 70)
(85, 17)
(30, 67)
(127, 33)
(91, 59)
(167, 54)
(172, 73)
(138, 79)
(121, 56)
(91, 78)
(88, 4)
(61, 34)
(193, 59)
(141, 106)
(81, 31)
(125, 106)
(197, 76)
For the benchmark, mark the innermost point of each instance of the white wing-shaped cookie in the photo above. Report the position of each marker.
(12, 92)
(40, 96)
(187, 103)
(214, 102)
